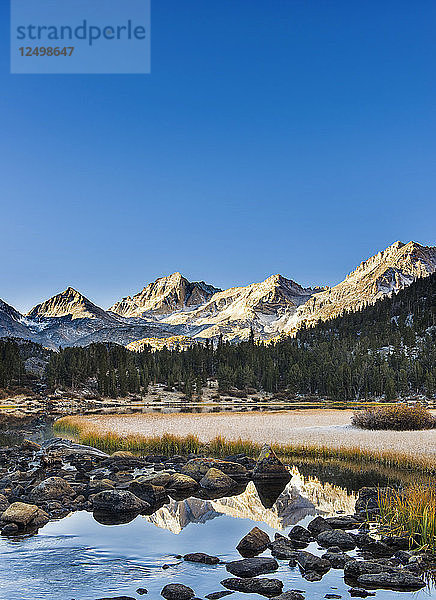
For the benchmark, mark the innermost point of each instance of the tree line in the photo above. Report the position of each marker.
(385, 349)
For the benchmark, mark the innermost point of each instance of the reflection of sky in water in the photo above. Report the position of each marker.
(77, 558)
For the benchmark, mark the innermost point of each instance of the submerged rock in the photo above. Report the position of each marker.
(401, 581)
(290, 595)
(177, 591)
(309, 562)
(265, 587)
(201, 557)
(268, 466)
(251, 567)
(336, 537)
(360, 593)
(255, 542)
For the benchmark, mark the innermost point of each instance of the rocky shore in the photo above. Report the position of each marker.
(49, 481)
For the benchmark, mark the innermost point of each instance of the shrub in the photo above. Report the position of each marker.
(399, 417)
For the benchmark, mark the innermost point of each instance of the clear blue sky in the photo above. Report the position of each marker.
(289, 136)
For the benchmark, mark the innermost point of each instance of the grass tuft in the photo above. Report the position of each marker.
(411, 513)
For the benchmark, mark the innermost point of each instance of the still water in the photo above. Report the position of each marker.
(78, 558)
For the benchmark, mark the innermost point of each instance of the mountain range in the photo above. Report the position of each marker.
(173, 306)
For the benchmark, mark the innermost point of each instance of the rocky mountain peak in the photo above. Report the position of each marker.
(165, 295)
(70, 302)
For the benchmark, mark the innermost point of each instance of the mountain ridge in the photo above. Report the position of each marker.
(174, 306)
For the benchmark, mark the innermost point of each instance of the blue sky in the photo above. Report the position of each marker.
(288, 136)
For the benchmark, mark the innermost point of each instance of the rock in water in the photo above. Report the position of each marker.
(400, 581)
(177, 591)
(256, 585)
(250, 567)
(52, 488)
(217, 480)
(20, 513)
(119, 501)
(201, 557)
(255, 542)
(336, 537)
(198, 467)
(268, 466)
(290, 595)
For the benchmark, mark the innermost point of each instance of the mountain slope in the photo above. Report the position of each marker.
(12, 323)
(165, 295)
(388, 271)
(235, 311)
(69, 303)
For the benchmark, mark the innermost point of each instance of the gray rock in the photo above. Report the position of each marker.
(200, 557)
(283, 548)
(182, 483)
(198, 467)
(52, 488)
(290, 595)
(336, 537)
(317, 525)
(401, 581)
(354, 568)
(152, 494)
(300, 535)
(338, 560)
(256, 585)
(251, 567)
(216, 480)
(119, 501)
(309, 562)
(344, 522)
(177, 591)
(360, 593)
(268, 466)
(255, 542)
(218, 595)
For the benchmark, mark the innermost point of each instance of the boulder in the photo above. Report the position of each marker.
(52, 488)
(309, 562)
(344, 522)
(251, 567)
(374, 547)
(300, 536)
(336, 537)
(268, 466)
(255, 542)
(216, 480)
(354, 568)
(317, 525)
(256, 585)
(177, 591)
(198, 467)
(218, 595)
(161, 479)
(360, 593)
(290, 595)
(153, 494)
(119, 501)
(200, 557)
(123, 454)
(283, 548)
(338, 560)
(182, 483)
(20, 513)
(400, 580)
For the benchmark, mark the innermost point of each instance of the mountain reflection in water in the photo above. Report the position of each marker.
(277, 507)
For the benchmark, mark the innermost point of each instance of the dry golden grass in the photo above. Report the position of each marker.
(316, 433)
